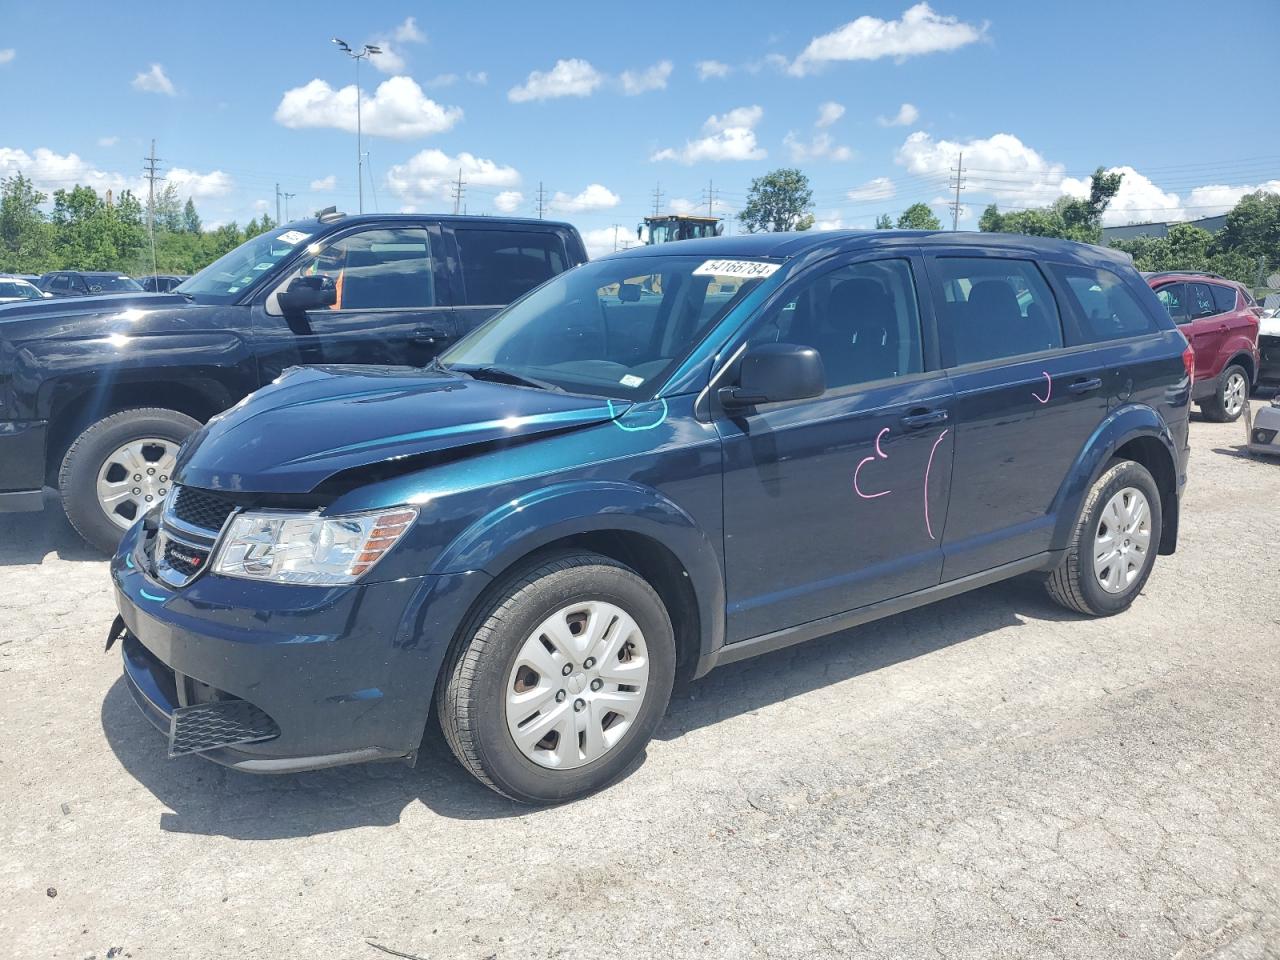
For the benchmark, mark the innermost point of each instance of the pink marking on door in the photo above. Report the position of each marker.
(880, 453)
(929, 466)
(858, 490)
(1048, 392)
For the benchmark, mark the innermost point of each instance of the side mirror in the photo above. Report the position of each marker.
(629, 292)
(775, 372)
(307, 293)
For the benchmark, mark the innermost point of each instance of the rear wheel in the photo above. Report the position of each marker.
(1227, 402)
(118, 469)
(1114, 544)
(561, 679)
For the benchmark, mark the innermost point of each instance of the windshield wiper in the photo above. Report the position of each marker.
(499, 375)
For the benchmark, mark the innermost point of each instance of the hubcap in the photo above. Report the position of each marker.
(1122, 540)
(135, 478)
(1234, 393)
(563, 713)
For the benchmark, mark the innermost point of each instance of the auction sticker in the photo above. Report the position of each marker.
(747, 269)
(292, 237)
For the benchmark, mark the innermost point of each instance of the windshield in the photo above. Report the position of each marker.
(612, 328)
(18, 290)
(231, 274)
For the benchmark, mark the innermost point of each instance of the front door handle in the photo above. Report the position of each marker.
(924, 418)
(429, 335)
(1085, 386)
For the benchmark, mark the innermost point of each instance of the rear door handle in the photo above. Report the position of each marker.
(927, 418)
(1085, 386)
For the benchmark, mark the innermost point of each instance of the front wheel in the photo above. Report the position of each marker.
(561, 679)
(1114, 544)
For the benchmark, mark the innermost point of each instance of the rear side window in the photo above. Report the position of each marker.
(993, 308)
(1107, 308)
(1174, 298)
(1224, 298)
(1201, 301)
(499, 266)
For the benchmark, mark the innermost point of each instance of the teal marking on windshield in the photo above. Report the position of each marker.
(128, 561)
(633, 427)
(148, 596)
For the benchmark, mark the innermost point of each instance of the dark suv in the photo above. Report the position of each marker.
(85, 283)
(659, 462)
(97, 393)
(1219, 318)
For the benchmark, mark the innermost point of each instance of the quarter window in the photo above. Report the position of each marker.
(1201, 301)
(374, 269)
(1107, 307)
(863, 319)
(499, 266)
(994, 308)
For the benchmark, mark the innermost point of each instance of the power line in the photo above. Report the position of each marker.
(957, 181)
(152, 172)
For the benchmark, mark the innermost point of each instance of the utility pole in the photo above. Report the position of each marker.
(459, 188)
(287, 198)
(152, 172)
(542, 198)
(957, 181)
(278, 220)
(365, 53)
(711, 198)
(616, 228)
(657, 199)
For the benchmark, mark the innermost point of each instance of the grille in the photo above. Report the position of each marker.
(200, 508)
(188, 561)
(223, 723)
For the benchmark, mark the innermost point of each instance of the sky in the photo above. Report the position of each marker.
(600, 106)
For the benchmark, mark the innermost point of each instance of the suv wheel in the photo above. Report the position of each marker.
(1113, 547)
(1227, 402)
(118, 469)
(560, 680)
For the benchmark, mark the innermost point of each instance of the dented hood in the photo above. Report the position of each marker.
(315, 422)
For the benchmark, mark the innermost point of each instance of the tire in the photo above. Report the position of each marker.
(1228, 399)
(1076, 583)
(86, 460)
(489, 666)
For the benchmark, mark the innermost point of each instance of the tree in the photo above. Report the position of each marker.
(780, 200)
(918, 216)
(1069, 218)
(1188, 247)
(1253, 230)
(190, 219)
(26, 239)
(883, 222)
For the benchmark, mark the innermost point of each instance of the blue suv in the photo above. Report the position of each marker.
(656, 463)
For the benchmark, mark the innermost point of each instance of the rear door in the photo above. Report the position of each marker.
(1025, 404)
(499, 264)
(1208, 330)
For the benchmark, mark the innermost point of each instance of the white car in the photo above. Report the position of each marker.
(13, 289)
(1264, 434)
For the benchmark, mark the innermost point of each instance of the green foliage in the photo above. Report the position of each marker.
(1068, 218)
(884, 222)
(26, 240)
(780, 200)
(918, 216)
(1190, 248)
(1253, 230)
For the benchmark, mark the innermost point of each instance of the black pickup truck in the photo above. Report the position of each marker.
(97, 393)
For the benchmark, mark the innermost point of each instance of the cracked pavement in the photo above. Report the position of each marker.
(989, 776)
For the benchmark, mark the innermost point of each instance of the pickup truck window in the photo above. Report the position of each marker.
(500, 266)
(228, 277)
(381, 269)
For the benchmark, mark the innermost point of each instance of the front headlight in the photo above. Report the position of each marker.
(290, 547)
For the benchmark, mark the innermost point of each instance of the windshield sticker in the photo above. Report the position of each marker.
(747, 269)
(263, 266)
(631, 380)
(232, 289)
(292, 237)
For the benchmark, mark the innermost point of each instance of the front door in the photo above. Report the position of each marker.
(1024, 406)
(392, 303)
(840, 501)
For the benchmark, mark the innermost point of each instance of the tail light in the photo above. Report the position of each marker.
(1189, 362)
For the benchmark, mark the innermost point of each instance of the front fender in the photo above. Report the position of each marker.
(1121, 425)
(517, 528)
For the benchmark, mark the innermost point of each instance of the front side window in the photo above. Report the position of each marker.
(1107, 307)
(1202, 304)
(611, 328)
(374, 269)
(18, 290)
(1174, 298)
(1224, 297)
(863, 319)
(994, 308)
(500, 266)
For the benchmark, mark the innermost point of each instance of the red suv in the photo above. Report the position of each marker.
(1219, 318)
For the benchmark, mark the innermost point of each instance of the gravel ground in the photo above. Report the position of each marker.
(987, 777)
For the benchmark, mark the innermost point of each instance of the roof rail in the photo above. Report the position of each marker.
(1187, 273)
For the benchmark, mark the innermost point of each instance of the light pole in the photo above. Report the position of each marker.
(363, 54)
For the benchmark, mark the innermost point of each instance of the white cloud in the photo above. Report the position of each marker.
(51, 171)
(508, 201)
(829, 113)
(607, 239)
(907, 114)
(408, 31)
(650, 78)
(154, 81)
(1001, 165)
(1137, 200)
(192, 183)
(568, 78)
(324, 184)
(108, 141)
(821, 147)
(682, 205)
(398, 108)
(1213, 199)
(390, 60)
(834, 222)
(712, 69)
(430, 174)
(478, 77)
(595, 197)
(443, 80)
(920, 31)
(729, 136)
(879, 188)
(7, 55)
